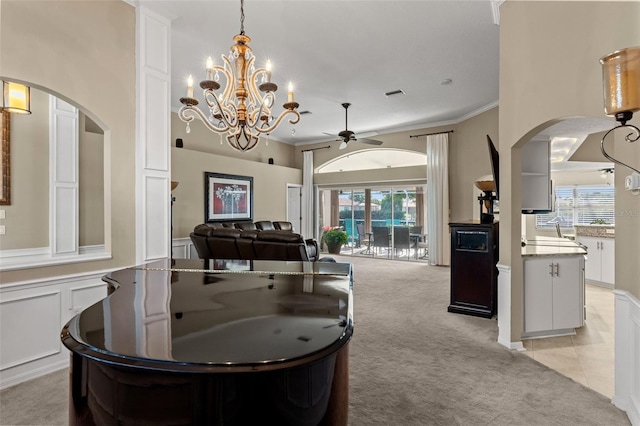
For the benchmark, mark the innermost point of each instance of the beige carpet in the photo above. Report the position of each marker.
(412, 363)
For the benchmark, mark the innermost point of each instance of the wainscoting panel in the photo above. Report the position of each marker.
(627, 350)
(183, 248)
(29, 327)
(32, 314)
(156, 219)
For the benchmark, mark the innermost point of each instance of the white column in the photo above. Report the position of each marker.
(153, 149)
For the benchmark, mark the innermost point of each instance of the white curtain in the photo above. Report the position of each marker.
(438, 198)
(307, 196)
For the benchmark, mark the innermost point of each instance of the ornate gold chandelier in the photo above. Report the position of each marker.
(241, 111)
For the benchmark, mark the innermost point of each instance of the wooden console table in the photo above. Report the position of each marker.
(215, 342)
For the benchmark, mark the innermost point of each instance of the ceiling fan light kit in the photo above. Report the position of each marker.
(243, 111)
(347, 135)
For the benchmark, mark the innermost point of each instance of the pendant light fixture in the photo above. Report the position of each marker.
(242, 111)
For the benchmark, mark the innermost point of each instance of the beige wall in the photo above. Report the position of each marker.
(91, 185)
(27, 218)
(549, 70)
(469, 159)
(188, 167)
(85, 53)
(202, 139)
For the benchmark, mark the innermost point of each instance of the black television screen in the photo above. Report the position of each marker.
(495, 165)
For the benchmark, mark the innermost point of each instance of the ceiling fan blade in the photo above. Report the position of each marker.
(366, 135)
(370, 141)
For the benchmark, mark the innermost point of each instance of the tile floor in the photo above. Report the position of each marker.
(587, 357)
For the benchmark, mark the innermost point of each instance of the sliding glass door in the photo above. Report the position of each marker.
(380, 222)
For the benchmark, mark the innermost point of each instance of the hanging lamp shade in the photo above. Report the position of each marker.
(16, 98)
(621, 79)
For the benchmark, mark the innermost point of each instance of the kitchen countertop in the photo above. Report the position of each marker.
(598, 231)
(551, 246)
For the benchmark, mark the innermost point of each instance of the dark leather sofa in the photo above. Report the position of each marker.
(242, 242)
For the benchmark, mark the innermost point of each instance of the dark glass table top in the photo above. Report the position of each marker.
(212, 315)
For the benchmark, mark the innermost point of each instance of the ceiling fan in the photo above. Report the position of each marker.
(347, 135)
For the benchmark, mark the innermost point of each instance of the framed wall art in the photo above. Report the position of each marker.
(227, 197)
(5, 159)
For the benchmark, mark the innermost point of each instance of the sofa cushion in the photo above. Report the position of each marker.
(280, 236)
(203, 229)
(283, 226)
(245, 244)
(264, 225)
(248, 226)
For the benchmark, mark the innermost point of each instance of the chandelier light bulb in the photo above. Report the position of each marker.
(290, 94)
(209, 68)
(268, 72)
(190, 86)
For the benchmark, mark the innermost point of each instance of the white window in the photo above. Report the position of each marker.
(580, 205)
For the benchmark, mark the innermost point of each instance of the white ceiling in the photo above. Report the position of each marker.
(350, 51)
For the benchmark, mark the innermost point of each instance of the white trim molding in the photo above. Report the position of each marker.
(41, 256)
(504, 309)
(627, 353)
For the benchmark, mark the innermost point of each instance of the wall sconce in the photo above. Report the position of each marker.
(16, 98)
(621, 79)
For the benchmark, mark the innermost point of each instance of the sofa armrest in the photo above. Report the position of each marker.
(313, 251)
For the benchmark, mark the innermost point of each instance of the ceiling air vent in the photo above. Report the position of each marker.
(395, 92)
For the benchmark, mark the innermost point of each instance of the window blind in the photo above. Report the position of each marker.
(580, 205)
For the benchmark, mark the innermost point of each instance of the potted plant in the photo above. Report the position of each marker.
(334, 239)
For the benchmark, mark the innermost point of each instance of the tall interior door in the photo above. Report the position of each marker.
(294, 208)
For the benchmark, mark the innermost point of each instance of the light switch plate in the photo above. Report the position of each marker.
(3, 214)
(2, 230)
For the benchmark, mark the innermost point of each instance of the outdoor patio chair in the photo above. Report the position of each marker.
(401, 240)
(381, 239)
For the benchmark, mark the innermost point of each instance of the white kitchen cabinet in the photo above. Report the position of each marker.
(553, 295)
(600, 264)
(536, 176)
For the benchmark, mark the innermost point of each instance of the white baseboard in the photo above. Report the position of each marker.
(627, 350)
(34, 373)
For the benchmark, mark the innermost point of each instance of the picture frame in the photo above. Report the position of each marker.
(5, 159)
(227, 197)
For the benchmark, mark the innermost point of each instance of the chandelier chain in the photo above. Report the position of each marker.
(242, 17)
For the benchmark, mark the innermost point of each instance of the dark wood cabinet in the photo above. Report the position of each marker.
(474, 276)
